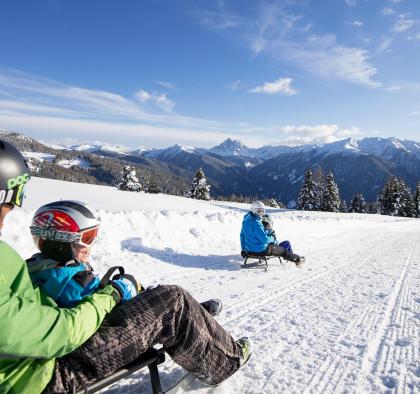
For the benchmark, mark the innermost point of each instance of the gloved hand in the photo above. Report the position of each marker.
(244, 253)
(126, 286)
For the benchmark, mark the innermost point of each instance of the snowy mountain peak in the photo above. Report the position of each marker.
(230, 147)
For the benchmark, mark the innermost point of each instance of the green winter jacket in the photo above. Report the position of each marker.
(34, 331)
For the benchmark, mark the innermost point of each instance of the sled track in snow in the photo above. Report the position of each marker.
(254, 303)
(338, 371)
(335, 370)
(392, 359)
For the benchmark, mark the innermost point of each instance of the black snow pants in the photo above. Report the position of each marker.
(167, 315)
(277, 250)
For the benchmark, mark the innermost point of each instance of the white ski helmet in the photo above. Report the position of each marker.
(257, 208)
(65, 221)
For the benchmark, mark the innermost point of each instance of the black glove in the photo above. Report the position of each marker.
(244, 253)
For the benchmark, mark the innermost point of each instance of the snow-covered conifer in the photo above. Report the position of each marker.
(199, 188)
(152, 187)
(307, 200)
(129, 181)
(408, 208)
(358, 204)
(417, 200)
(319, 180)
(343, 205)
(390, 199)
(272, 203)
(331, 195)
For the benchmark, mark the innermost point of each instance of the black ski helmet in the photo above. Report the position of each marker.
(14, 174)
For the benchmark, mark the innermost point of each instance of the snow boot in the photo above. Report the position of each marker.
(213, 306)
(294, 258)
(245, 344)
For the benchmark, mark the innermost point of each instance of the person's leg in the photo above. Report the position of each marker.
(167, 315)
(277, 250)
(286, 245)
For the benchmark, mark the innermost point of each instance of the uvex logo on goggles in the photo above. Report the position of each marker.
(85, 238)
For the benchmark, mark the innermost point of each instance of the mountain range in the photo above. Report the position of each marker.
(359, 165)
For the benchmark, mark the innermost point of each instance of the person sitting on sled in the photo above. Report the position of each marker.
(63, 269)
(50, 349)
(255, 240)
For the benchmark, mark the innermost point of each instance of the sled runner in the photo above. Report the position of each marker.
(187, 383)
(151, 359)
(258, 261)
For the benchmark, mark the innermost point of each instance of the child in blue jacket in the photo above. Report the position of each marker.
(267, 222)
(255, 239)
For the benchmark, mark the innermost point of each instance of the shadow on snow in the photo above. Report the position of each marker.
(168, 255)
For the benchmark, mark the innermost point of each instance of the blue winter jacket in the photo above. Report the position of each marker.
(253, 236)
(67, 285)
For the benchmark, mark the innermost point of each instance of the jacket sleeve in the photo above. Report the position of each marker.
(242, 238)
(29, 329)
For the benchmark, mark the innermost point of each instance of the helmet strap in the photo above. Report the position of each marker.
(59, 251)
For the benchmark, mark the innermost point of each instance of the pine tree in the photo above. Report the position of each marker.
(358, 204)
(373, 208)
(343, 206)
(417, 200)
(408, 208)
(331, 195)
(152, 187)
(319, 180)
(307, 199)
(393, 198)
(199, 188)
(129, 181)
(272, 203)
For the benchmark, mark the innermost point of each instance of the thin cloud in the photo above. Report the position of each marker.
(388, 11)
(415, 37)
(393, 88)
(351, 3)
(281, 85)
(386, 42)
(317, 134)
(220, 20)
(322, 56)
(357, 23)
(236, 85)
(403, 24)
(142, 96)
(33, 104)
(280, 34)
(165, 84)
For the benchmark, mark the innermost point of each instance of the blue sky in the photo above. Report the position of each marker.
(153, 73)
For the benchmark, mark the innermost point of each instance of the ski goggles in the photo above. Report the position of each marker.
(259, 212)
(88, 237)
(85, 238)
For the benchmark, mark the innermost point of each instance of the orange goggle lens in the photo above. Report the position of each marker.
(89, 237)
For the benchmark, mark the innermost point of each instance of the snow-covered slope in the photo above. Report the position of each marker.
(348, 321)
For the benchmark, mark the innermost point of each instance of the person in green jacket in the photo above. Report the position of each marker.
(48, 349)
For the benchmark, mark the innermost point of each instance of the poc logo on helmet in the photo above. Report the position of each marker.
(19, 180)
